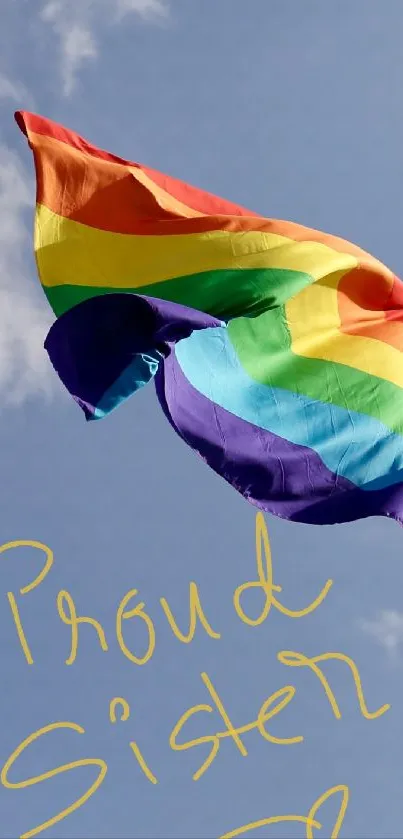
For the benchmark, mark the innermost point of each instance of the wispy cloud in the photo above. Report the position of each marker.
(14, 91)
(148, 9)
(76, 24)
(24, 321)
(387, 629)
(77, 44)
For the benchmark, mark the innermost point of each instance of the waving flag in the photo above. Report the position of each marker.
(276, 350)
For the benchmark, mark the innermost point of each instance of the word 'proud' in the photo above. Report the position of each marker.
(67, 611)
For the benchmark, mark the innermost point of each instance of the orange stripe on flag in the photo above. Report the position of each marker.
(195, 199)
(364, 307)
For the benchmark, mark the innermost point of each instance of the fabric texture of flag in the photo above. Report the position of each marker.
(276, 350)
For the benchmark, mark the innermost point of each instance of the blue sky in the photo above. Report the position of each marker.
(293, 109)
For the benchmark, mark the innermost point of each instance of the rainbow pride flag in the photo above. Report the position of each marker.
(276, 350)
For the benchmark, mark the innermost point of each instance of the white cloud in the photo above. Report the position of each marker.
(148, 9)
(68, 21)
(24, 321)
(14, 90)
(387, 629)
(76, 22)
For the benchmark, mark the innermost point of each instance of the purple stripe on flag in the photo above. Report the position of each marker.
(92, 344)
(275, 475)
